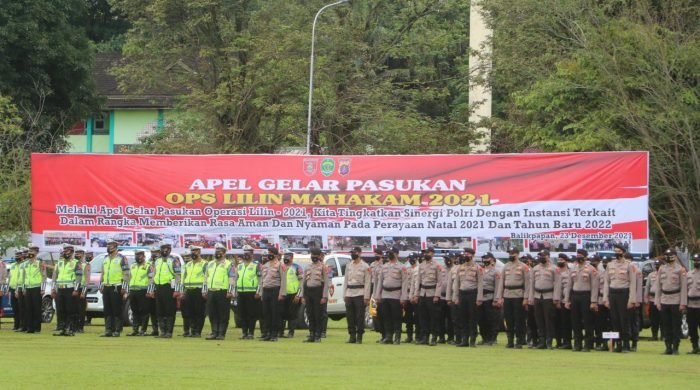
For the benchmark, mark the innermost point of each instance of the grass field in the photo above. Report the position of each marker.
(88, 361)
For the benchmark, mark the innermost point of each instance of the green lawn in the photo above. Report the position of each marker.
(43, 361)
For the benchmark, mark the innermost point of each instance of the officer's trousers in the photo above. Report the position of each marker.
(445, 320)
(32, 309)
(82, 308)
(290, 312)
(219, 308)
(619, 314)
(378, 320)
(582, 317)
(272, 311)
(140, 308)
(248, 311)
(113, 306)
(488, 321)
(67, 305)
(392, 317)
(602, 323)
(514, 314)
(671, 318)
(563, 326)
(312, 299)
(532, 333)
(355, 312)
(17, 307)
(409, 318)
(635, 322)
(544, 315)
(693, 318)
(165, 303)
(467, 315)
(655, 320)
(427, 317)
(194, 310)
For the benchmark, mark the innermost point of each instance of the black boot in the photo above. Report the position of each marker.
(397, 338)
(463, 341)
(409, 336)
(433, 341)
(577, 345)
(675, 349)
(223, 328)
(669, 350)
(388, 338)
(108, 327)
(359, 338)
(634, 346)
(625, 346)
(510, 341)
(472, 341)
(695, 350)
(310, 339)
(186, 323)
(290, 334)
(352, 339)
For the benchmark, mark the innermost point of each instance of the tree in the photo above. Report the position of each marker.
(606, 75)
(390, 77)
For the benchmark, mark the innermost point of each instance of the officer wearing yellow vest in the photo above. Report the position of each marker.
(166, 276)
(246, 286)
(67, 277)
(16, 299)
(114, 280)
(139, 284)
(218, 289)
(3, 281)
(84, 265)
(291, 302)
(193, 303)
(32, 286)
(151, 295)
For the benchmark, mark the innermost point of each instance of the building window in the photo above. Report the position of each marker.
(101, 124)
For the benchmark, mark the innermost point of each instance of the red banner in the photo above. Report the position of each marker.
(559, 201)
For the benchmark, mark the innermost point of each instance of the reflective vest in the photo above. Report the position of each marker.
(14, 270)
(247, 277)
(112, 270)
(292, 280)
(139, 276)
(217, 275)
(83, 280)
(32, 274)
(66, 271)
(164, 272)
(194, 274)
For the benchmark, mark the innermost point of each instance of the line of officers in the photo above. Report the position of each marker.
(270, 292)
(542, 301)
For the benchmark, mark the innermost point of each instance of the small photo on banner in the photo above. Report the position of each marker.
(604, 245)
(157, 239)
(257, 241)
(498, 244)
(449, 242)
(301, 242)
(403, 244)
(57, 238)
(553, 245)
(205, 240)
(346, 243)
(100, 239)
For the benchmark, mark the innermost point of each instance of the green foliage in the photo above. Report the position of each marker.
(606, 75)
(387, 73)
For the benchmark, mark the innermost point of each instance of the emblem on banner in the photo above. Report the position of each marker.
(344, 166)
(310, 166)
(327, 166)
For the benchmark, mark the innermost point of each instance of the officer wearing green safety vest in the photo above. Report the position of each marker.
(193, 303)
(291, 302)
(113, 283)
(32, 286)
(247, 285)
(16, 298)
(84, 264)
(166, 276)
(67, 277)
(219, 288)
(139, 285)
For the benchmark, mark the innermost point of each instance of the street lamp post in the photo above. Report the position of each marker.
(311, 72)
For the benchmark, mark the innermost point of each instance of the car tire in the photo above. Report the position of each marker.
(47, 310)
(127, 314)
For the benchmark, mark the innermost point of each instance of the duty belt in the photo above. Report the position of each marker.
(66, 285)
(216, 289)
(544, 290)
(653, 294)
(469, 291)
(522, 286)
(694, 298)
(391, 288)
(488, 291)
(669, 292)
(193, 287)
(423, 286)
(355, 286)
(581, 292)
(619, 290)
